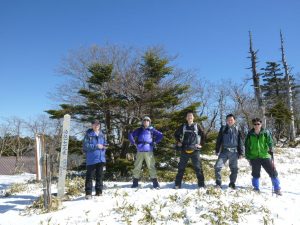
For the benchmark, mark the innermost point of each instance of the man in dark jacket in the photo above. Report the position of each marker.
(145, 139)
(230, 147)
(94, 146)
(259, 150)
(188, 138)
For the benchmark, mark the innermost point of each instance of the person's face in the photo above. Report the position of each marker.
(146, 123)
(190, 117)
(257, 125)
(230, 121)
(96, 126)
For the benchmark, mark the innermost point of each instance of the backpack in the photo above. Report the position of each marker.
(195, 130)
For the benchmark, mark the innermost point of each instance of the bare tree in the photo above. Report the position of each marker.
(244, 103)
(256, 81)
(39, 125)
(5, 138)
(292, 133)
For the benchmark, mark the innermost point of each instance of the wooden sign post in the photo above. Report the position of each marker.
(63, 156)
(38, 156)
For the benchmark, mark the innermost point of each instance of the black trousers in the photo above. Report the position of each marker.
(91, 170)
(266, 164)
(196, 161)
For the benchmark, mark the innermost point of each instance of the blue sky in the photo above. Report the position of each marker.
(210, 37)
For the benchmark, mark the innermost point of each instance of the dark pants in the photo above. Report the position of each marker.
(91, 170)
(233, 165)
(266, 164)
(196, 161)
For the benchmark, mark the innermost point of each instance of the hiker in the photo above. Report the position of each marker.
(230, 147)
(259, 151)
(94, 146)
(145, 139)
(188, 137)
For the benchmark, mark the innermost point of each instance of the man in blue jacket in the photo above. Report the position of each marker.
(94, 146)
(229, 146)
(145, 139)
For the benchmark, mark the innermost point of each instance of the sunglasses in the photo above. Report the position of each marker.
(257, 124)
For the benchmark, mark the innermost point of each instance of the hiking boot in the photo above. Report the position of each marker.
(278, 192)
(87, 197)
(201, 184)
(135, 183)
(256, 190)
(155, 183)
(177, 187)
(232, 185)
(218, 184)
(98, 193)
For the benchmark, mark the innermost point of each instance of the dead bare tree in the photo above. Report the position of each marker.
(256, 81)
(292, 133)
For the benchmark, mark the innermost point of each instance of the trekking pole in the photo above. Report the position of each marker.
(273, 167)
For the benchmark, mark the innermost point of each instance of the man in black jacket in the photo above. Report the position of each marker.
(230, 147)
(188, 138)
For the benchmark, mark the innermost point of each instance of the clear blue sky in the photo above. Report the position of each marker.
(209, 36)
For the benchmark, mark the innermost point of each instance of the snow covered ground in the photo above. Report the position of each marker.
(122, 205)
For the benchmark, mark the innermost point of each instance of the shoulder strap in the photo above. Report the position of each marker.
(196, 128)
(151, 131)
(196, 131)
(183, 132)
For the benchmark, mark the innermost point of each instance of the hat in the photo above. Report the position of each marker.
(146, 118)
(95, 121)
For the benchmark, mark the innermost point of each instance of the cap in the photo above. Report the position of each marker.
(146, 118)
(95, 121)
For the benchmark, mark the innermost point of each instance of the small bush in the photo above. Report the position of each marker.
(75, 186)
(37, 206)
(16, 188)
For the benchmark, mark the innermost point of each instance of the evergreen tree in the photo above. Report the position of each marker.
(120, 102)
(274, 85)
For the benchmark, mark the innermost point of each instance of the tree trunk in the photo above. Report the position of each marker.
(289, 91)
(125, 144)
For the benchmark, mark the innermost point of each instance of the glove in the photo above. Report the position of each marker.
(154, 146)
(271, 152)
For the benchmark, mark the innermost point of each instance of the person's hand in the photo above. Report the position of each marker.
(179, 144)
(100, 146)
(198, 146)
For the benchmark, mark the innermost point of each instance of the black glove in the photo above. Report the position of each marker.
(271, 152)
(154, 146)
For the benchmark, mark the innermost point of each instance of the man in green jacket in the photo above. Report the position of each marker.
(259, 151)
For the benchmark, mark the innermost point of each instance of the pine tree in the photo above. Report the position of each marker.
(149, 90)
(274, 86)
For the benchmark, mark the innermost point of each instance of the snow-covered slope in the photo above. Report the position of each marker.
(122, 205)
